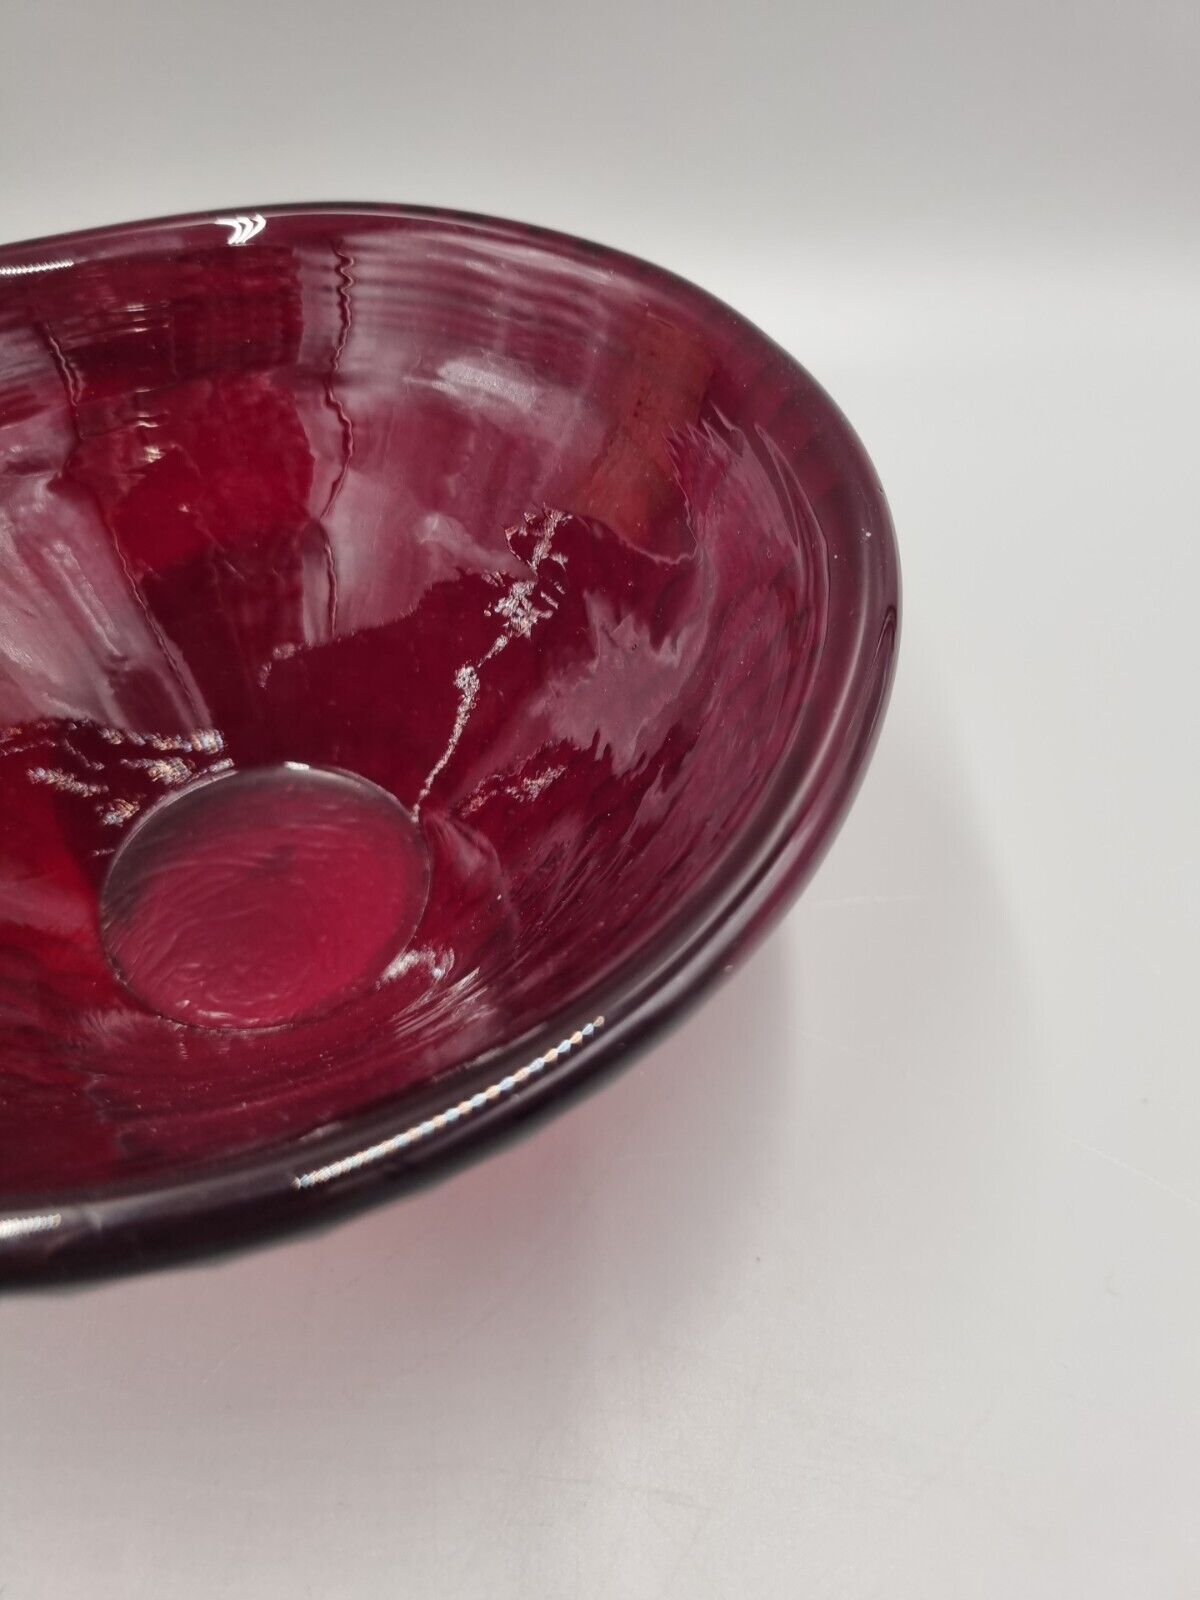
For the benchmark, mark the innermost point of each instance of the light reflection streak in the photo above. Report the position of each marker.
(19, 1227)
(242, 228)
(34, 266)
(452, 1114)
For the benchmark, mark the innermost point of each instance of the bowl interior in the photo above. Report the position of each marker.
(408, 625)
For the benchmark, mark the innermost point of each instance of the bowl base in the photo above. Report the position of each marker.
(262, 897)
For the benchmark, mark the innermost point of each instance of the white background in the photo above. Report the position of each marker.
(880, 1280)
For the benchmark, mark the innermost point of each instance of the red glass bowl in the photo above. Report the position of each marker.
(432, 649)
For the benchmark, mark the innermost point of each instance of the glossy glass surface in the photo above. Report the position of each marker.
(587, 580)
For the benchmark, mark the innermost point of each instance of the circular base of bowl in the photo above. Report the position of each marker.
(263, 897)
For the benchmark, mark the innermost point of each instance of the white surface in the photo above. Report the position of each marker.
(882, 1277)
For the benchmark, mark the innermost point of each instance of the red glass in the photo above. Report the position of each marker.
(432, 648)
